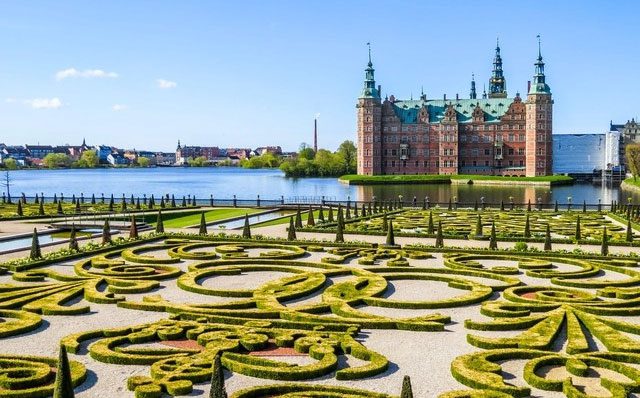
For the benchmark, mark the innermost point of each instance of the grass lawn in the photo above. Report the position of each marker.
(285, 220)
(354, 179)
(633, 182)
(211, 215)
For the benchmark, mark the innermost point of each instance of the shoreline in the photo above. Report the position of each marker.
(546, 181)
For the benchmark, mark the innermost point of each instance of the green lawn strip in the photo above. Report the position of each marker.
(210, 216)
(354, 179)
(285, 219)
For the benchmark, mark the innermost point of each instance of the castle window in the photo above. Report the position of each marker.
(463, 163)
(405, 128)
(425, 138)
(416, 163)
(404, 163)
(486, 163)
(463, 138)
(511, 163)
(394, 129)
(394, 152)
(521, 163)
(474, 163)
(510, 151)
(521, 151)
(474, 138)
(487, 152)
(393, 163)
(522, 138)
(511, 137)
(474, 152)
(425, 163)
(414, 138)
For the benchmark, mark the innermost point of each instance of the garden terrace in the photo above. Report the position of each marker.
(148, 316)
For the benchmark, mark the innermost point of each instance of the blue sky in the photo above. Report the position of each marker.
(143, 74)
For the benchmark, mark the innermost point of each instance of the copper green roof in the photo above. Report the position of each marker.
(494, 109)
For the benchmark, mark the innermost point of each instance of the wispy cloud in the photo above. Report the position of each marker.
(118, 107)
(87, 73)
(43, 103)
(164, 84)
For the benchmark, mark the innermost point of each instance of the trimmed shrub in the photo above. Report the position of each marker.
(310, 220)
(246, 229)
(406, 392)
(390, 238)
(547, 238)
(159, 223)
(203, 225)
(439, 237)
(35, 253)
(133, 228)
(73, 241)
(64, 383)
(291, 231)
(217, 379)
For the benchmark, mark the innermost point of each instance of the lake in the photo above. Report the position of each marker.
(224, 182)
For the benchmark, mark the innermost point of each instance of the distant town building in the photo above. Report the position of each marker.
(184, 153)
(117, 159)
(274, 150)
(15, 152)
(490, 134)
(39, 151)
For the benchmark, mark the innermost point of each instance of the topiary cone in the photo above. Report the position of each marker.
(35, 246)
(493, 242)
(133, 228)
(604, 247)
(246, 229)
(106, 233)
(217, 379)
(64, 382)
(73, 241)
(203, 225)
(291, 235)
(406, 388)
(547, 239)
(439, 236)
(391, 241)
(310, 220)
(629, 237)
(159, 223)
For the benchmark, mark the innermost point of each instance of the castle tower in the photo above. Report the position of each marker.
(497, 83)
(472, 93)
(539, 110)
(369, 124)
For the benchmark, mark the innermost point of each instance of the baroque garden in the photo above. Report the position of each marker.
(352, 300)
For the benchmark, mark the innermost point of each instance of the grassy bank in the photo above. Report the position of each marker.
(353, 179)
(632, 183)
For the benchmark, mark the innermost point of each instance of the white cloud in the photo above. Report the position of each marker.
(118, 107)
(44, 103)
(162, 83)
(87, 73)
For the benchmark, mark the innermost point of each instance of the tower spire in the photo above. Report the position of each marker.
(539, 85)
(472, 94)
(369, 90)
(497, 83)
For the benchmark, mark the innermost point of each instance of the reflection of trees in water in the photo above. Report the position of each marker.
(495, 194)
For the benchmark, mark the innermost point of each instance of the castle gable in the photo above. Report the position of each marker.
(494, 108)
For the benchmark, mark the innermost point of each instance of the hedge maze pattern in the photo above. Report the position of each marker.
(510, 225)
(569, 317)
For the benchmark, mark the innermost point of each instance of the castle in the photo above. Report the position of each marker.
(491, 135)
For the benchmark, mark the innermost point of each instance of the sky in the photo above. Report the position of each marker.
(143, 74)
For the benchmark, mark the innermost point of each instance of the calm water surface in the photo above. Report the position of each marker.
(225, 182)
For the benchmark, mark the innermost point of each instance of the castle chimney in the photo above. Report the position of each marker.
(444, 97)
(315, 135)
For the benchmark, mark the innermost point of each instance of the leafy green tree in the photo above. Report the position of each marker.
(56, 160)
(632, 155)
(306, 152)
(348, 153)
(143, 162)
(200, 161)
(10, 164)
(89, 159)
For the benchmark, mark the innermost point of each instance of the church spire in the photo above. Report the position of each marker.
(472, 94)
(369, 90)
(497, 83)
(539, 85)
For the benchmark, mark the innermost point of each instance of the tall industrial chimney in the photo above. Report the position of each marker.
(315, 135)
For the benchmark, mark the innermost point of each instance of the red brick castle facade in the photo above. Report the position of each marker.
(492, 135)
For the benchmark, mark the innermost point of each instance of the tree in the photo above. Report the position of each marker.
(348, 152)
(159, 223)
(493, 241)
(310, 220)
(547, 239)
(321, 215)
(339, 229)
(330, 215)
(41, 208)
(73, 240)
(10, 164)
(604, 247)
(6, 183)
(19, 211)
(133, 228)
(106, 233)
(479, 226)
(246, 230)
(56, 160)
(306, 152)
(430, 225)
(203, 224)
(291, 231)
(632, 155)
(200, 161)
(527, 228)
(390, 238)
(406, 388)
(629, 237)
(578, 235)
(298, 218)
(64, 382)
(217, 378)
(89, 159)
(143, 162)
(36, 253)
(439, 236)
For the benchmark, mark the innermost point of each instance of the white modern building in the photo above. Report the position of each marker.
(585, 153)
